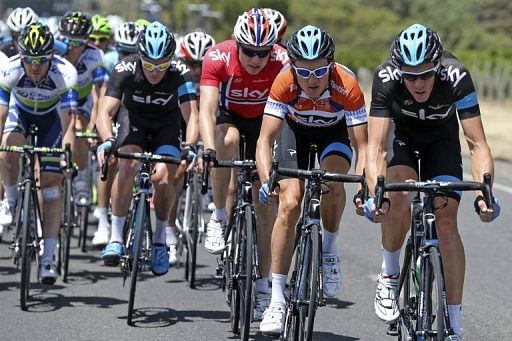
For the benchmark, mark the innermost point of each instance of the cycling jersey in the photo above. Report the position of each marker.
(453, 91)
(111, 58)
(9, 49)
(343, 100)
(3, 59)
(241, 93)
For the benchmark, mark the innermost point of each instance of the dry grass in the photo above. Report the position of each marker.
(497, 119)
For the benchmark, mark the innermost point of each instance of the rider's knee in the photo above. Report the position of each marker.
(51, 193)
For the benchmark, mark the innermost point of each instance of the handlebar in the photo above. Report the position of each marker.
(31, 149)
(87, 135)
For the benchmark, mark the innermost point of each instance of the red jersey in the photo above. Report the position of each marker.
(241, 93)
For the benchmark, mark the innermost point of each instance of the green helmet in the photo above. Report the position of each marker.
(142, 22)
(100, 27)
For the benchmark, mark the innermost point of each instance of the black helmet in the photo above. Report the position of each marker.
(310, 43)
(75, 24)
(416, 45)
(156, 41)
(35, 40)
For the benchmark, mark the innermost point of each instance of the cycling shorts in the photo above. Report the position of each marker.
(250, 127)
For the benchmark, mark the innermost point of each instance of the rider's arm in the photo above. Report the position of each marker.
(4, 110)
(359, 140)
(376, 153)
(98, 90)
(481, 157)
(270, 129)
(108, 107)
(190, 114)
(209, 102)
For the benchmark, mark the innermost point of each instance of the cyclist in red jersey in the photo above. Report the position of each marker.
(235, 80)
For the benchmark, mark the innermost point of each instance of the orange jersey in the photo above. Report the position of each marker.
(343, 100)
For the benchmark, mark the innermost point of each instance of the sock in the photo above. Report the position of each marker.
(454, 311)
(390, 262)
(220, 214)
(117, 229)
(159, 235)
(11, 194)
(262, 285)
(49, 249)
(102, 218)
(329, 241)
(170, 235)
(278, 286)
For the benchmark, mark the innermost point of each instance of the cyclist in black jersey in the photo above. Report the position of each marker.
(417, 97)
(153, 89)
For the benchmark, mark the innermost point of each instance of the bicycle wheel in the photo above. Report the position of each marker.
(26, 247)
(191, 220)
(66, 229)
(83, 218)
(139, 223)
(408, 290)
(234, 271)
(437, 308)
(245, 284)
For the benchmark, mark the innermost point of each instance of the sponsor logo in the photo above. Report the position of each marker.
(400, 143)
(246, 93)
(125, 67)
(408, 102)
(453, 74)
(292, 152)
(338, 88)
(177, 65)
(151, 100)
(279, 55)
(315, 120)
(437, 107)
(217, 55)
(421, 114)
(389, 74)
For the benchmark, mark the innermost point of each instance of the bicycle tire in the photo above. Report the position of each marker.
(245, 285)
(192, 229)
(235, 268)
(26, 254)
(66, 229)
(83, 212)
(437, 296)
(139, 220)
(313, 281)
(407, 293)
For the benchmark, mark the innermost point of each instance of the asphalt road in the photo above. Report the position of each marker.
(94, 304)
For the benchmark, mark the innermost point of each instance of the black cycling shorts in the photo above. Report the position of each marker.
(250, 127)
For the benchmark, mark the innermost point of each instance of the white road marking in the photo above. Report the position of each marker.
(497, 186)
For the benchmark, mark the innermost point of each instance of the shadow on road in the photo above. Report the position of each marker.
(48, 302)
(338, 304)
(154, 317)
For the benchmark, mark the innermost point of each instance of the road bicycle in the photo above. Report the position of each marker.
(306, 287)
(422, 303)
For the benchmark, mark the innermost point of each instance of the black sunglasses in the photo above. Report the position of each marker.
(427, 74)
(251, 53)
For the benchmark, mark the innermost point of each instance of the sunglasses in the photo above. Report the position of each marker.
(75, 42)
(150, 66)
(36, 59)
(252, 53)
(306, 73)
(100, 39)
(424, 75)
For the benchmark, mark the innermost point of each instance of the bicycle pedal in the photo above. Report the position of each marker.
(322, 303)
(392, 330)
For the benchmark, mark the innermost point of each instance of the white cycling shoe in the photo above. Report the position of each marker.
(273, 319)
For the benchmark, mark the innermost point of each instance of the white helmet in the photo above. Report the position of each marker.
(21, 17)
(126, 36)
(114, 21)
(4, 30)
(53, 24)
(253, 28)
(194, 45)
(278, 18)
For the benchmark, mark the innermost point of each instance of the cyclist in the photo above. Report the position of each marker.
(192, 49)
(101, 34)
(37, 87)
(236, 78)
(281, 24)
(16, 21)
(415, 97)
(315, 101)
(126, 37)
(74, 28)
(153, 89)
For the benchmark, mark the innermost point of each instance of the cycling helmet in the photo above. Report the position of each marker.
(75, 24)
(21, 17)
(35, 40)
(310, 43)
(415, 45)
(279, 20)
(194, 45)
(100, 27)
(126, 36)
(255, 29)
(114, 21)
(142, 22)
(156, 41)
(4, 30)
(53, 24)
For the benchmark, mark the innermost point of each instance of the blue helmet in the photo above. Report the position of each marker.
(416, 45)
(156, 41)
(310, 43)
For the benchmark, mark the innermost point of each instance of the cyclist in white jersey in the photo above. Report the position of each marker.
(37, 87)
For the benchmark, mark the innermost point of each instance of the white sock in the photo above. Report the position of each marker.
(220, 214)
(262, 285)
(102, 218)
(117, 229)
(170, 235)
(159, 235)
(454, 311)
(390, 262)
(278, 286)
(11, 194)
(329, 241)
(49, 249)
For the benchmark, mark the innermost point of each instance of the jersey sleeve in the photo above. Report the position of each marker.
(277, 99)
(186, 88)
(100, 73)
(69, 98)
(8, 78)
(212, 68)
(385, 80)
(355, 108)
(466, 100)
(120, 75)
